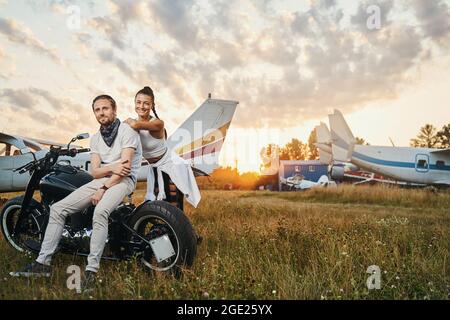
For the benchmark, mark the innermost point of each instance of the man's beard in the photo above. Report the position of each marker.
(108, 122)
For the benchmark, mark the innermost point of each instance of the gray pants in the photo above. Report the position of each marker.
(77, 201)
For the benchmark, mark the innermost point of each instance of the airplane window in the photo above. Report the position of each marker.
(422, 164)
(15, 151)
(3, 148)
(440, 164)
(8, 150)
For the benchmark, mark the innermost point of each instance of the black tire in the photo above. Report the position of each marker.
(7, 222)
(180, 231)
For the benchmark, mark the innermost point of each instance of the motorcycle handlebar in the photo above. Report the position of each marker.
(72, 152)
(59, 152)
(83, 150)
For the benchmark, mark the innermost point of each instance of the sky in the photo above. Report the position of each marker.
(384, 64)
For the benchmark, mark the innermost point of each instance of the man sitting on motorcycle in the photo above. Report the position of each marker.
(118, 147)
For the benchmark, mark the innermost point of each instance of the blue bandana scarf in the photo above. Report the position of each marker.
(109, 133)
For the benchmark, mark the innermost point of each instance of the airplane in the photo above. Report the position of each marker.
(298, 182)
(199, 139)
(420, 166)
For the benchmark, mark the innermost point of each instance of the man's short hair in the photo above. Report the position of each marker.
(105, 97)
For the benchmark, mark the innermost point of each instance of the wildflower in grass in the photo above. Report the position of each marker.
(274, 291)
(397, 277)
(205, 295)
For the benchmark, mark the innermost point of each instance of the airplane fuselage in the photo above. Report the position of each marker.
(416, 165)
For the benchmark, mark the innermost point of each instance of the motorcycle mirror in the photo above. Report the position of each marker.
(83, 136)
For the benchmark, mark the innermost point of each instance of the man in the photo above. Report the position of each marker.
(118, 146)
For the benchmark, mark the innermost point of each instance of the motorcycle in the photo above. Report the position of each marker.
(156, 233)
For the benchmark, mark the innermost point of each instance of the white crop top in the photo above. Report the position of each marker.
(151, 146)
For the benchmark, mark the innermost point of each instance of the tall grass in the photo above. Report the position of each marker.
(305, 245)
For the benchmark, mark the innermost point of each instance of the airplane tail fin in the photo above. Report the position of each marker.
(323, 134)
(200, 138)
(323, 138)
(324, 156)
(343, 141)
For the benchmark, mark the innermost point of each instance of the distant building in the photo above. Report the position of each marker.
(311, 170)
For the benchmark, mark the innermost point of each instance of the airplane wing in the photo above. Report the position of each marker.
(445, 152)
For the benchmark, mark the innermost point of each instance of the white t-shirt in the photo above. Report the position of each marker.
(126, 138)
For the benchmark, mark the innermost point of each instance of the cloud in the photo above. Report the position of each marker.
(283, 65)
(67, 115)
(434, 18)
(19, 98)
(20, 34)
(115, 26)
(111, 28)
(176, 19)
(108, 56)
(345, 67)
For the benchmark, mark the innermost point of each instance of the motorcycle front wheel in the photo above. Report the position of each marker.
(31, 226)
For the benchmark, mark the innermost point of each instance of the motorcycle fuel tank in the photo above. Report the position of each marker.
(63, 181)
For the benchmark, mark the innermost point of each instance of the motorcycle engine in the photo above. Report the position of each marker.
(80, 241)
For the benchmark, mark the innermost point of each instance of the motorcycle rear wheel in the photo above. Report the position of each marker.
(157, 218)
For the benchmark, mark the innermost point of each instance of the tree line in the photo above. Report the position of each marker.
(428, 137)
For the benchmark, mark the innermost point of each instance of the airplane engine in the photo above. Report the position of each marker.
(337, 173)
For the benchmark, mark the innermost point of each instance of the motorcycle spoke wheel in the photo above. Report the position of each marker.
(152, 227)
(30, 225)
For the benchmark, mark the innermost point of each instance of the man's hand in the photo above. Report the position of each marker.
(132, 123)
(95, 199)
(122, 169)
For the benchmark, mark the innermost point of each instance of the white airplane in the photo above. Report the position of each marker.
(298, 182)
(414, 165)
(199, 139)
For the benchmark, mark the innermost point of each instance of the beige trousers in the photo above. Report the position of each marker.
(77, 201)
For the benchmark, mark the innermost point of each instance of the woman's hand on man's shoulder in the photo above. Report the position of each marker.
(132, 123)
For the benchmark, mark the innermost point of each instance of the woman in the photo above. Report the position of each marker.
(155, 150)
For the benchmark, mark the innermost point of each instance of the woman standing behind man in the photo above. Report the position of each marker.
(155, 150)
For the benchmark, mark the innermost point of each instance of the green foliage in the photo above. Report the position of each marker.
(312, 149)
(426, 138)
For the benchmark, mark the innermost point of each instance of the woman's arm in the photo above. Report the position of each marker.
(153, 126)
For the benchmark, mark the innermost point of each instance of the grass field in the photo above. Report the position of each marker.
(316, 244)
